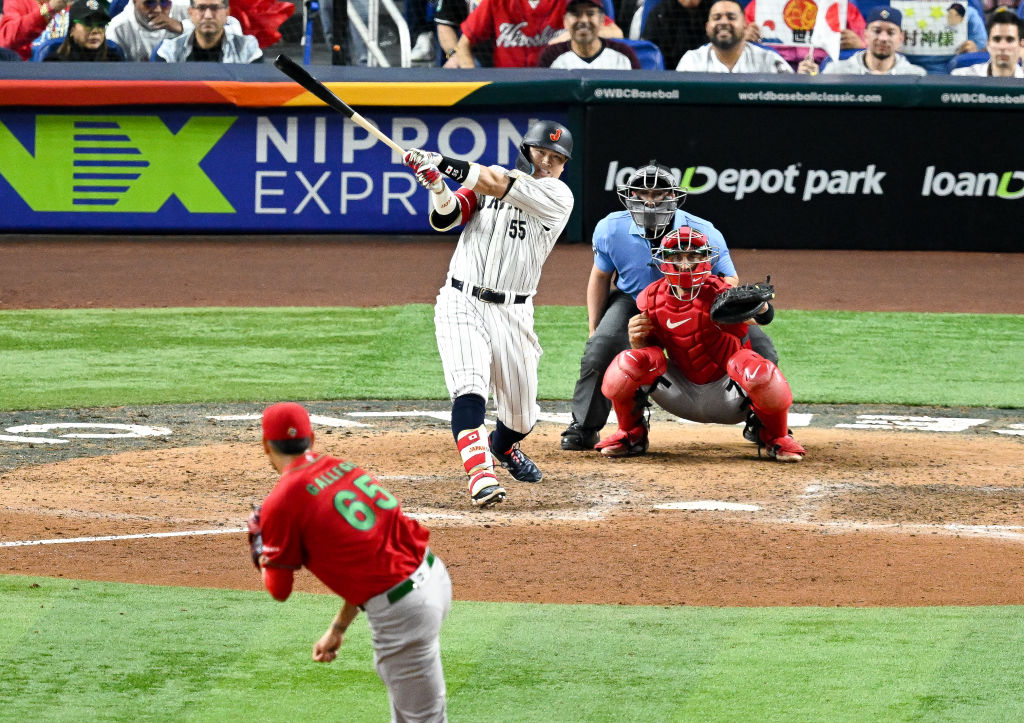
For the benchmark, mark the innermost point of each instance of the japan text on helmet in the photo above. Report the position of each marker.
(544, 134)
(651, 196)
(685, 256)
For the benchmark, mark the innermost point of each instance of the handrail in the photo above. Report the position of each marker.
(371, 35)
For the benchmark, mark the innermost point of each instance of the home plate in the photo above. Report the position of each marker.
(708, 505)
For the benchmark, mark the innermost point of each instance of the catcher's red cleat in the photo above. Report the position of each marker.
(784, 449)
(624, 443)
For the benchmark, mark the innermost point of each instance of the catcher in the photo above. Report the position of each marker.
(710, 376)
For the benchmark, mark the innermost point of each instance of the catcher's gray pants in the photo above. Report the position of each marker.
(590, 408)
(406, 648)
(718, 402)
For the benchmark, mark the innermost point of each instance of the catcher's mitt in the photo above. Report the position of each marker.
(255, 536)
(738, 304)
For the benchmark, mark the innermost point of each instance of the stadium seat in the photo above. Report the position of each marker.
(965, 59)
(647, 53)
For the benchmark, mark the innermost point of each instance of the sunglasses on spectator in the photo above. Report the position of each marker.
(153, 3)
(202, 9)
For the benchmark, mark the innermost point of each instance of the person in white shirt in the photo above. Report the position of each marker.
(883, 36)
(1005, 49)
(585, 47)
(144, 24)
(728, 51)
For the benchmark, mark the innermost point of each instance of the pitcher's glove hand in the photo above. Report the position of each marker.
(430, 178)
(255, 536)
(416, 158)
(741, 303)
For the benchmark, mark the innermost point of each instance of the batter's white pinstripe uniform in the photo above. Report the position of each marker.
(485, 345)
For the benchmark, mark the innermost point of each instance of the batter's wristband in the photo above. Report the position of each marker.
(455, 168)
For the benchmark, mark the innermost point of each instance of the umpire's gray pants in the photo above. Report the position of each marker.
(406, 648)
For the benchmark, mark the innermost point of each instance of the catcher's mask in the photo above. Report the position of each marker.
(685, 257)
(651, 196)
(544, 134)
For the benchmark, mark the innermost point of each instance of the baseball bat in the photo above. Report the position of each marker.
(301, 76)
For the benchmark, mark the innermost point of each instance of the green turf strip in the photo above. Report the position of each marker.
(82, 358)
(76, 650)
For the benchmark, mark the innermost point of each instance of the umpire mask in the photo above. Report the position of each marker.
(651, 196)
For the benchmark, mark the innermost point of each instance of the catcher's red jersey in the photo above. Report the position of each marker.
(334, 518)
(520, 33)
(697, 346)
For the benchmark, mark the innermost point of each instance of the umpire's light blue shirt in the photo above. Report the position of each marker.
(618, 246)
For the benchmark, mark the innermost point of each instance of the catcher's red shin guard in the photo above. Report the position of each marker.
(630, 370)
(769, 392)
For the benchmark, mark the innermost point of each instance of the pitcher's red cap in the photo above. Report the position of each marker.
(286, 420)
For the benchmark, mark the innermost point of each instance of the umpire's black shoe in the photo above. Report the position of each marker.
(577, 439)
(752, 429)
(518, 464)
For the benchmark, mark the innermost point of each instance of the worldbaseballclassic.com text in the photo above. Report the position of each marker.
(741, 182)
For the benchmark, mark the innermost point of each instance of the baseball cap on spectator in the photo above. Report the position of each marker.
(596, 3)
(83, 10)
(960, 9)
(885, 14)
(285, 421)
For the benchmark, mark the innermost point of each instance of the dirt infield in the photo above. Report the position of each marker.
(870, 518)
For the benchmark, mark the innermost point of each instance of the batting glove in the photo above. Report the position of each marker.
(414, 158)
(430, 178)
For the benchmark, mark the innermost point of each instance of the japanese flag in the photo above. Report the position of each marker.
(828, 26)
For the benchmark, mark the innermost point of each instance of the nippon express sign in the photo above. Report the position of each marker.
(281, 171)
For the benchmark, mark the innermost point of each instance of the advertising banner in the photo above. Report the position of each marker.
(272, 170)
(779, 177)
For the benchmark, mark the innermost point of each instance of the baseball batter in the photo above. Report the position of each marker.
(711, 374)
(483, 317)
(333, 518)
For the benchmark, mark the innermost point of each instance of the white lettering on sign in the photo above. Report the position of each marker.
(922, 424)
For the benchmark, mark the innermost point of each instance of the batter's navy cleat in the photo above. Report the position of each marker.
(518, 464)
(577, 439)
(752, 428)
(485, 489)
(625, 443)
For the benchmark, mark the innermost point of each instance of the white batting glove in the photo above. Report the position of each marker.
(430, 178)
(414, 158)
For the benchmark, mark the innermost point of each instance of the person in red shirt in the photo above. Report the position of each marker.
(332, 517)
(711, 375)
(23, 21)
(519, 30)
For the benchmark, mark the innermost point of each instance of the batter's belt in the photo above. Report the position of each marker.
(489, 295)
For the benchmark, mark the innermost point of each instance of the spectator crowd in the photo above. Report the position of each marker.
(976, 37)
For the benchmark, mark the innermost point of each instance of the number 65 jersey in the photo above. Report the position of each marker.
(333, 518)
(506, 240)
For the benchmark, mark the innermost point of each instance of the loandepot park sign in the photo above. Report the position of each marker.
(810, 183)
(288, 171)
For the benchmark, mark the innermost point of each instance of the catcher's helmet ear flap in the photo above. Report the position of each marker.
(685, 256)
(651, 195)
(544, 134)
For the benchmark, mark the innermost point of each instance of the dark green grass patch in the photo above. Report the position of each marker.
(76, 650)
(83, 358)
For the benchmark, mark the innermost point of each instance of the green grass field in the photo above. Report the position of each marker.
(75, 650)
(82, 358)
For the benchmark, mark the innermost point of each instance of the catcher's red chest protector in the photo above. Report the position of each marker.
(697, 346)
